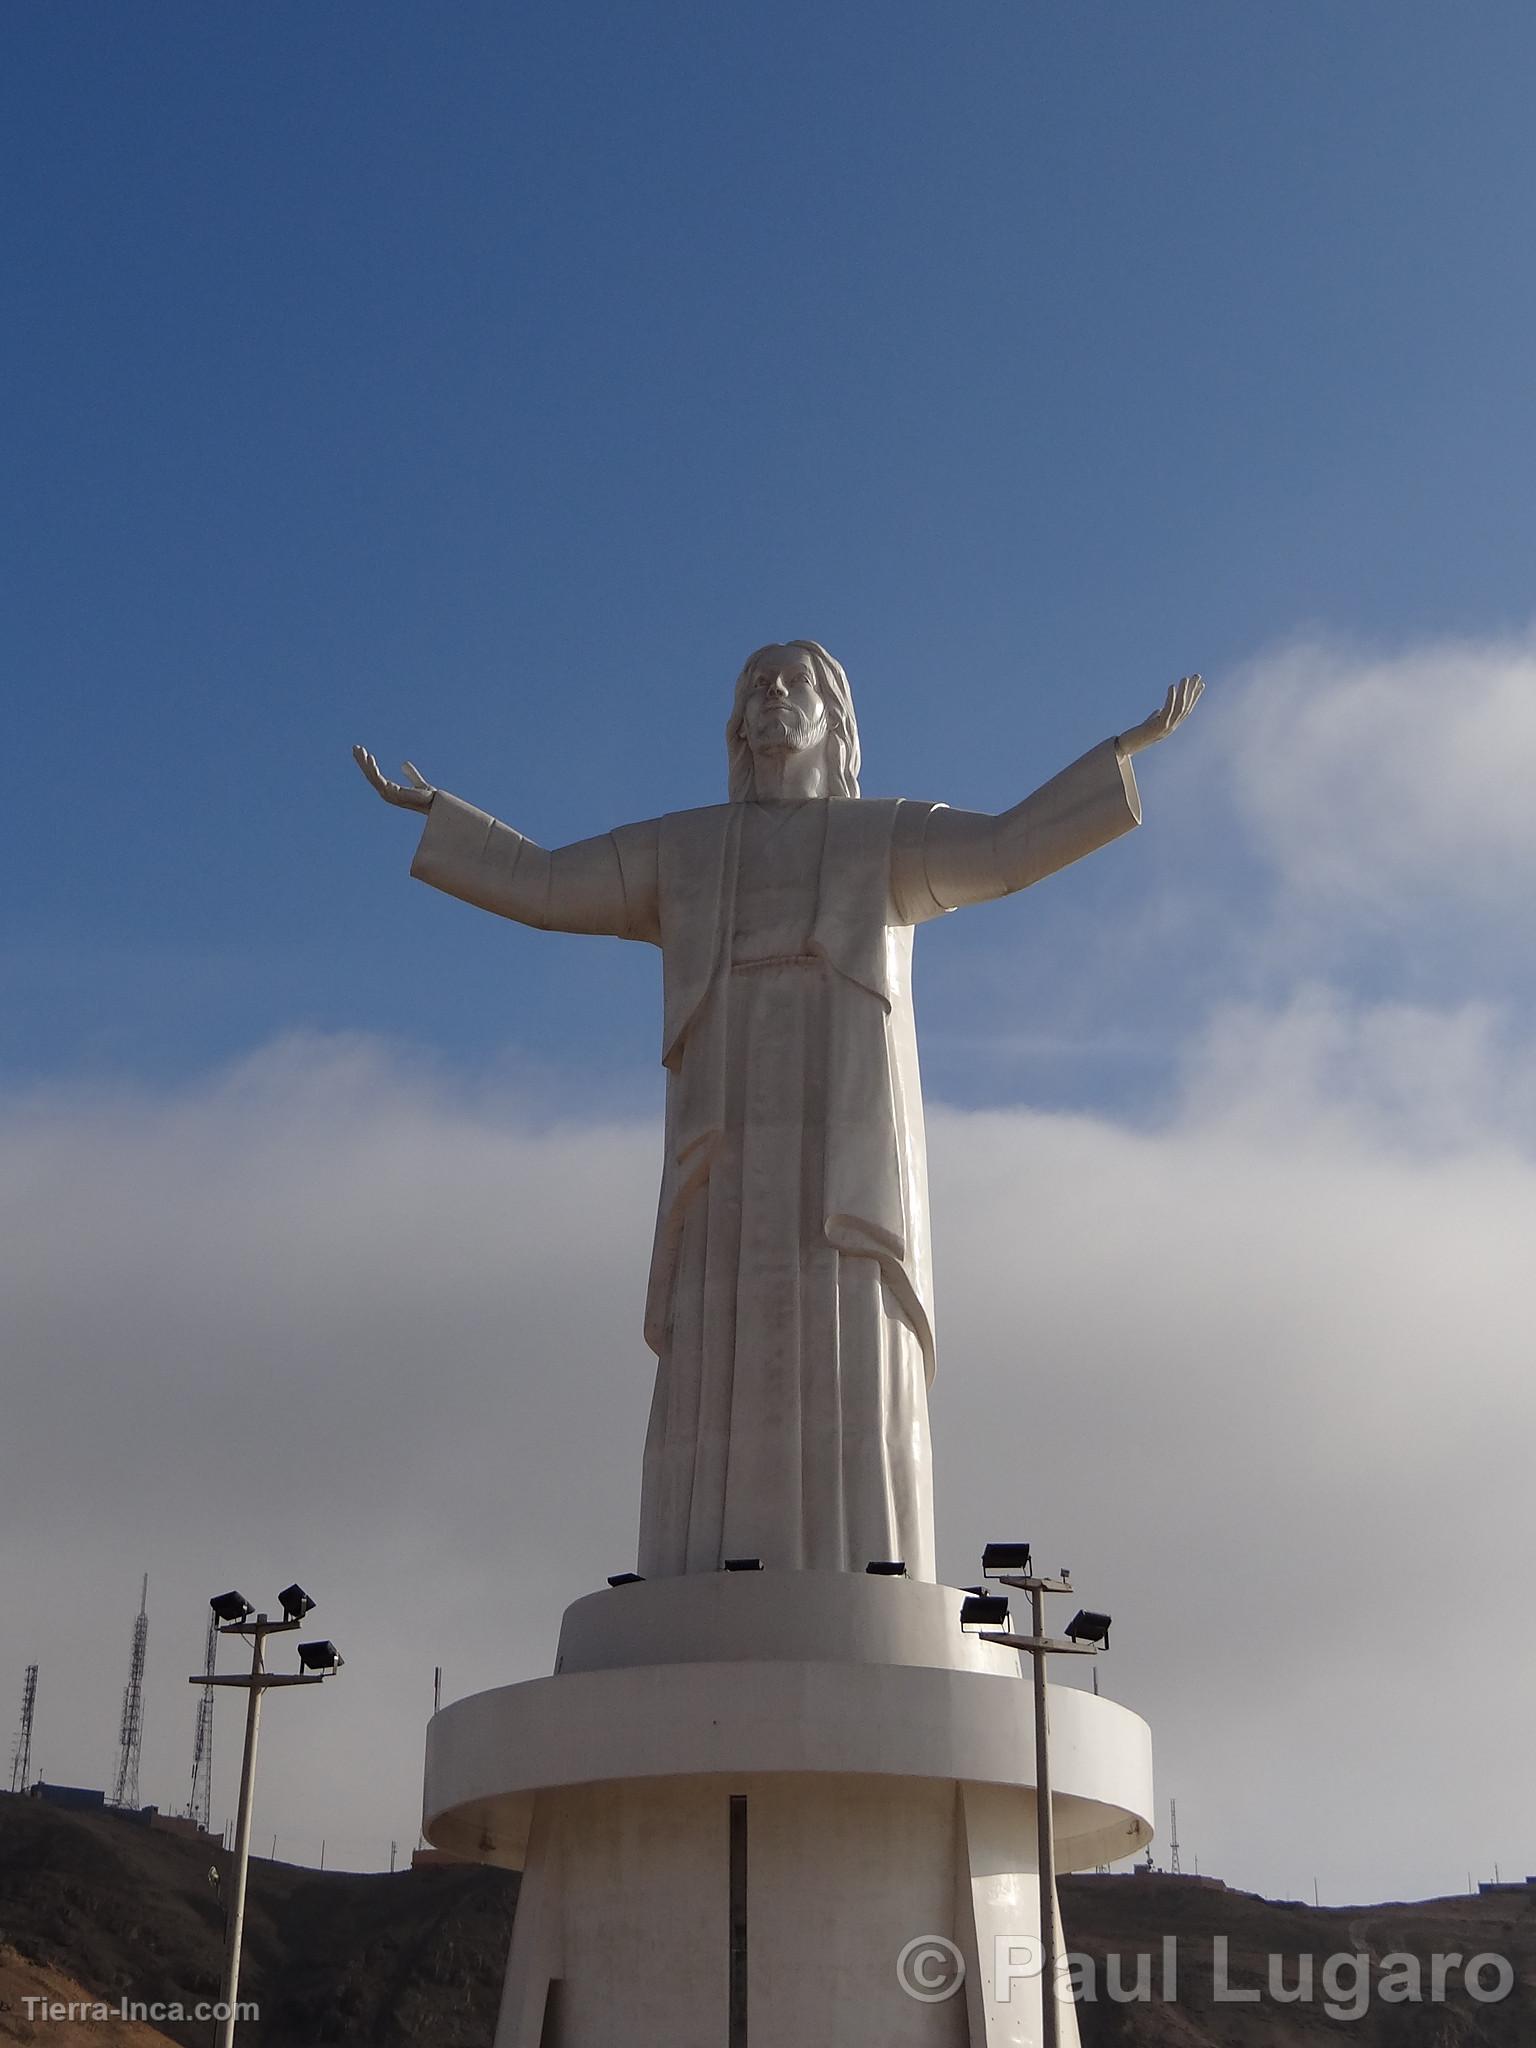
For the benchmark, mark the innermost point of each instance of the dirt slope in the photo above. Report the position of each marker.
(329, 1956)
(23, 1983)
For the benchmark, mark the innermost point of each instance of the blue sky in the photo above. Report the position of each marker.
(484, 383)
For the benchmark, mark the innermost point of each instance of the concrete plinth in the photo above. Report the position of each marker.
(743, 1798)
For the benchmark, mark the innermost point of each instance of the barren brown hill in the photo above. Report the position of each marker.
(417, 1957)
(31, 1995)
(1131, 1917)
(329, 1955)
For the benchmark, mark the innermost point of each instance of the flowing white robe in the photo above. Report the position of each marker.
(789, 1304)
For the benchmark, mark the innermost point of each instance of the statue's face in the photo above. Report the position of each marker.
(783, 712)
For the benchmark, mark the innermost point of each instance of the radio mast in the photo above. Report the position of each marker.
(200, 1805)
(130, 1735)
(21, 1755)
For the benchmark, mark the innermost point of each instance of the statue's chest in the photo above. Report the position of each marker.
(777, 879)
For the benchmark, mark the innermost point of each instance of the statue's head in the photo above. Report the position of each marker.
(788, 700)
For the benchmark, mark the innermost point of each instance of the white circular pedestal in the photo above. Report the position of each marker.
(743, 1795)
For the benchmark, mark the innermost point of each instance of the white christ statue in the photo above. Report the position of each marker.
(790, 1304)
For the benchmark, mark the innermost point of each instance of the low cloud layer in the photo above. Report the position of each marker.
(1255, 1360)
(1261, 1375)
(1394, 782)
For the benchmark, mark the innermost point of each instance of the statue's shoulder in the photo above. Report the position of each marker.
(704, 821)
(704, 818)
(706, 825)
(886, 814)
(890, 806)
(679, 840)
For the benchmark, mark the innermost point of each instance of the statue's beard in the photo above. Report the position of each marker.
(790, 732)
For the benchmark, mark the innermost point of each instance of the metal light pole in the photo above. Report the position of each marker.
(296, 1604)
(1038, 1645)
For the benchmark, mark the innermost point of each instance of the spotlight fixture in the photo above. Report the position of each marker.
(998, 1558)
(295, 1603)
(742, 1564)
(322, 1657)
(1088, 1627)
(626, 1579)
(984, 1610)
(886, 1568)
(231, 1607)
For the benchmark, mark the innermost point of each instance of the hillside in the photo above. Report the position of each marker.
(329, 1955)
(24, 1983)
(399, 1960)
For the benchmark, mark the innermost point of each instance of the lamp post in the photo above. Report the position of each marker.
(1010, 1564)
(319, 1660)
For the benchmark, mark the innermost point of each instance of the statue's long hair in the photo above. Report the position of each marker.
(842, 726)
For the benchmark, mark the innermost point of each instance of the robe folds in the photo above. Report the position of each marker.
(790, 1296)
(789, 1303)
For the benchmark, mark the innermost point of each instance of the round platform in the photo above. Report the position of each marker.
(764, 1617)
(745, 1674)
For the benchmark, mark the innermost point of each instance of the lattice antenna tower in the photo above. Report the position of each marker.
(200, 1805)
(1173, 1838)
(130, 1735)
(21, 1755)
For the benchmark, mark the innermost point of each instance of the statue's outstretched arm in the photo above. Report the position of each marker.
(605, 885)
(970, 857)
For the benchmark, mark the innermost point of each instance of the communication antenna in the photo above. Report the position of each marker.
(1173, 1839)
(200, 1804)
(130, 1734)
(21, 1755)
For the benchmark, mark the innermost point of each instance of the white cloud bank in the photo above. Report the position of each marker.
(1262, 1376)
(1394, 783)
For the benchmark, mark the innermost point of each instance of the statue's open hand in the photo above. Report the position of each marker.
(1176, 707)
(417, 798)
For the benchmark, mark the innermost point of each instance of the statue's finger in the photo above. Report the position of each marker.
(415, 774)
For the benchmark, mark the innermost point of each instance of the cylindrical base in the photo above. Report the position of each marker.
(829, 1913)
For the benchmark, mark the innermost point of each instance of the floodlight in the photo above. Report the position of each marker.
(626, 1579)
(1088, 1627)
(984, 1610)
(295, 1603)
(231, 1607)
(886, 1568)
(322, 1657)
(742, 1564)
(1005, 1557)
